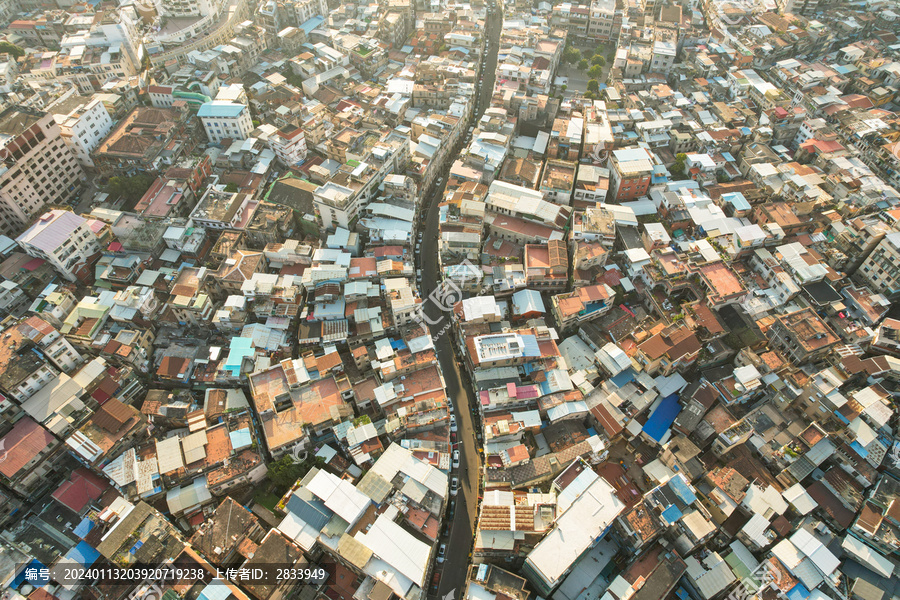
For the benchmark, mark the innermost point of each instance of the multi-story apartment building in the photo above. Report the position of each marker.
(38, 168)
(631, 170)
(298, 12)
(189, 8)
(225, 120)
(83, 123)
(572, 17)
(802, 336)
(881, 270)
(605, 21)
(339, 201)
(62, 238)
(289, 145)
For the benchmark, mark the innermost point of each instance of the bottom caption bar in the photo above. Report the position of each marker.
(108, 574)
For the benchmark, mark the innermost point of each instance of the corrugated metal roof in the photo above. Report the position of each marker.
(168, 453)
(314, 513)
(339, 496)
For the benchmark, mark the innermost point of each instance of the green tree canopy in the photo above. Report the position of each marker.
(284, 472)
(583, 64)
(231, 188)
(595, 71)
(593, 86)
(571, 55)
(129, 188)
(8, 48)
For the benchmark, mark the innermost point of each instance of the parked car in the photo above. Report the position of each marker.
(442, 553)
(435, 582)
(453, 427)
(454, 486)
(456, 459)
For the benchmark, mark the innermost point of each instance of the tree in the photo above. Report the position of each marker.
(590, 95)
(283, 472)
(563, 88)
(598, 60)
(571, 55)
(231, 188)
(678, 165)
(595, 71)
(8, 48)
(583, 64)
(129, 188)
(593, 86)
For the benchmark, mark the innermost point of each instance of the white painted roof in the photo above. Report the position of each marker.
(799, 499)
(397, 459)
(397, 547)
(575, 530)
(339, 495)
(868, 556)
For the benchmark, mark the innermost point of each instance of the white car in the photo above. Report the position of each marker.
(442, 552)
(454, 486)
(453, 427)
(456, 459)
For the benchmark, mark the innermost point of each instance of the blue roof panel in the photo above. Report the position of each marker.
(313, 512)
(211, 109)
(662, 418)
(684, 493)
(623, 378)
(671, 514)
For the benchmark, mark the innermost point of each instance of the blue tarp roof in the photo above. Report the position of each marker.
(684, 493)
(671, 514)
(798, 592)
(662, 418)
(859, 449)
(311, 24)
(624, 377)
(84, 554)
(398, 344)
(84, 527)
(36, 565)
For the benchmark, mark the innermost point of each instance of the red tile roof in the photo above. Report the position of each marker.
(21, 445)
(82, 488)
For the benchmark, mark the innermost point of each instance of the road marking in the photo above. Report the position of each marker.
(450, 594)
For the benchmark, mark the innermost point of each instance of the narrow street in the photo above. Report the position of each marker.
(462, 527)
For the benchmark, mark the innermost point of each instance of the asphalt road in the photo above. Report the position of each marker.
(462, 527)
